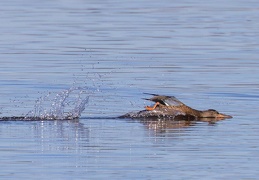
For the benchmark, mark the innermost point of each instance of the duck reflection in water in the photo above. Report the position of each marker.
(170, 108)
(162, 125)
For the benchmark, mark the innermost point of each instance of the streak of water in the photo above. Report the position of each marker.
(67, 104)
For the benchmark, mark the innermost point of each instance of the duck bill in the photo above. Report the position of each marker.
(223, 116)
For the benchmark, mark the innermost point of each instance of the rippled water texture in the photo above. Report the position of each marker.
(205, 53)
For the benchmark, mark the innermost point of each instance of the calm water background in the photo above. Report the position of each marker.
(205, 53)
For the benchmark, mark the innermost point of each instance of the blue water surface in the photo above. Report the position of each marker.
(205, 53)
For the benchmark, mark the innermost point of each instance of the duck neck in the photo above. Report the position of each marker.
(193, 112)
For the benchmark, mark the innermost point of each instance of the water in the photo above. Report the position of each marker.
(204, 53)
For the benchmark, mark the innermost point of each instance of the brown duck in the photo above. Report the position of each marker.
(169, 106)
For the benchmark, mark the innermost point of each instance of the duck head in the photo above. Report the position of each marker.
(212, 113)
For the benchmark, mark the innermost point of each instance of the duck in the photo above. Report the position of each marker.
(171, 107)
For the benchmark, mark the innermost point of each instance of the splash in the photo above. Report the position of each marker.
(67, 104)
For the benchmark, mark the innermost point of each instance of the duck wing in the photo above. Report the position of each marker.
(165, 100)
(172, 101)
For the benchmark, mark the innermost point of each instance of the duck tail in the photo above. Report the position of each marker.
(151, 94)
